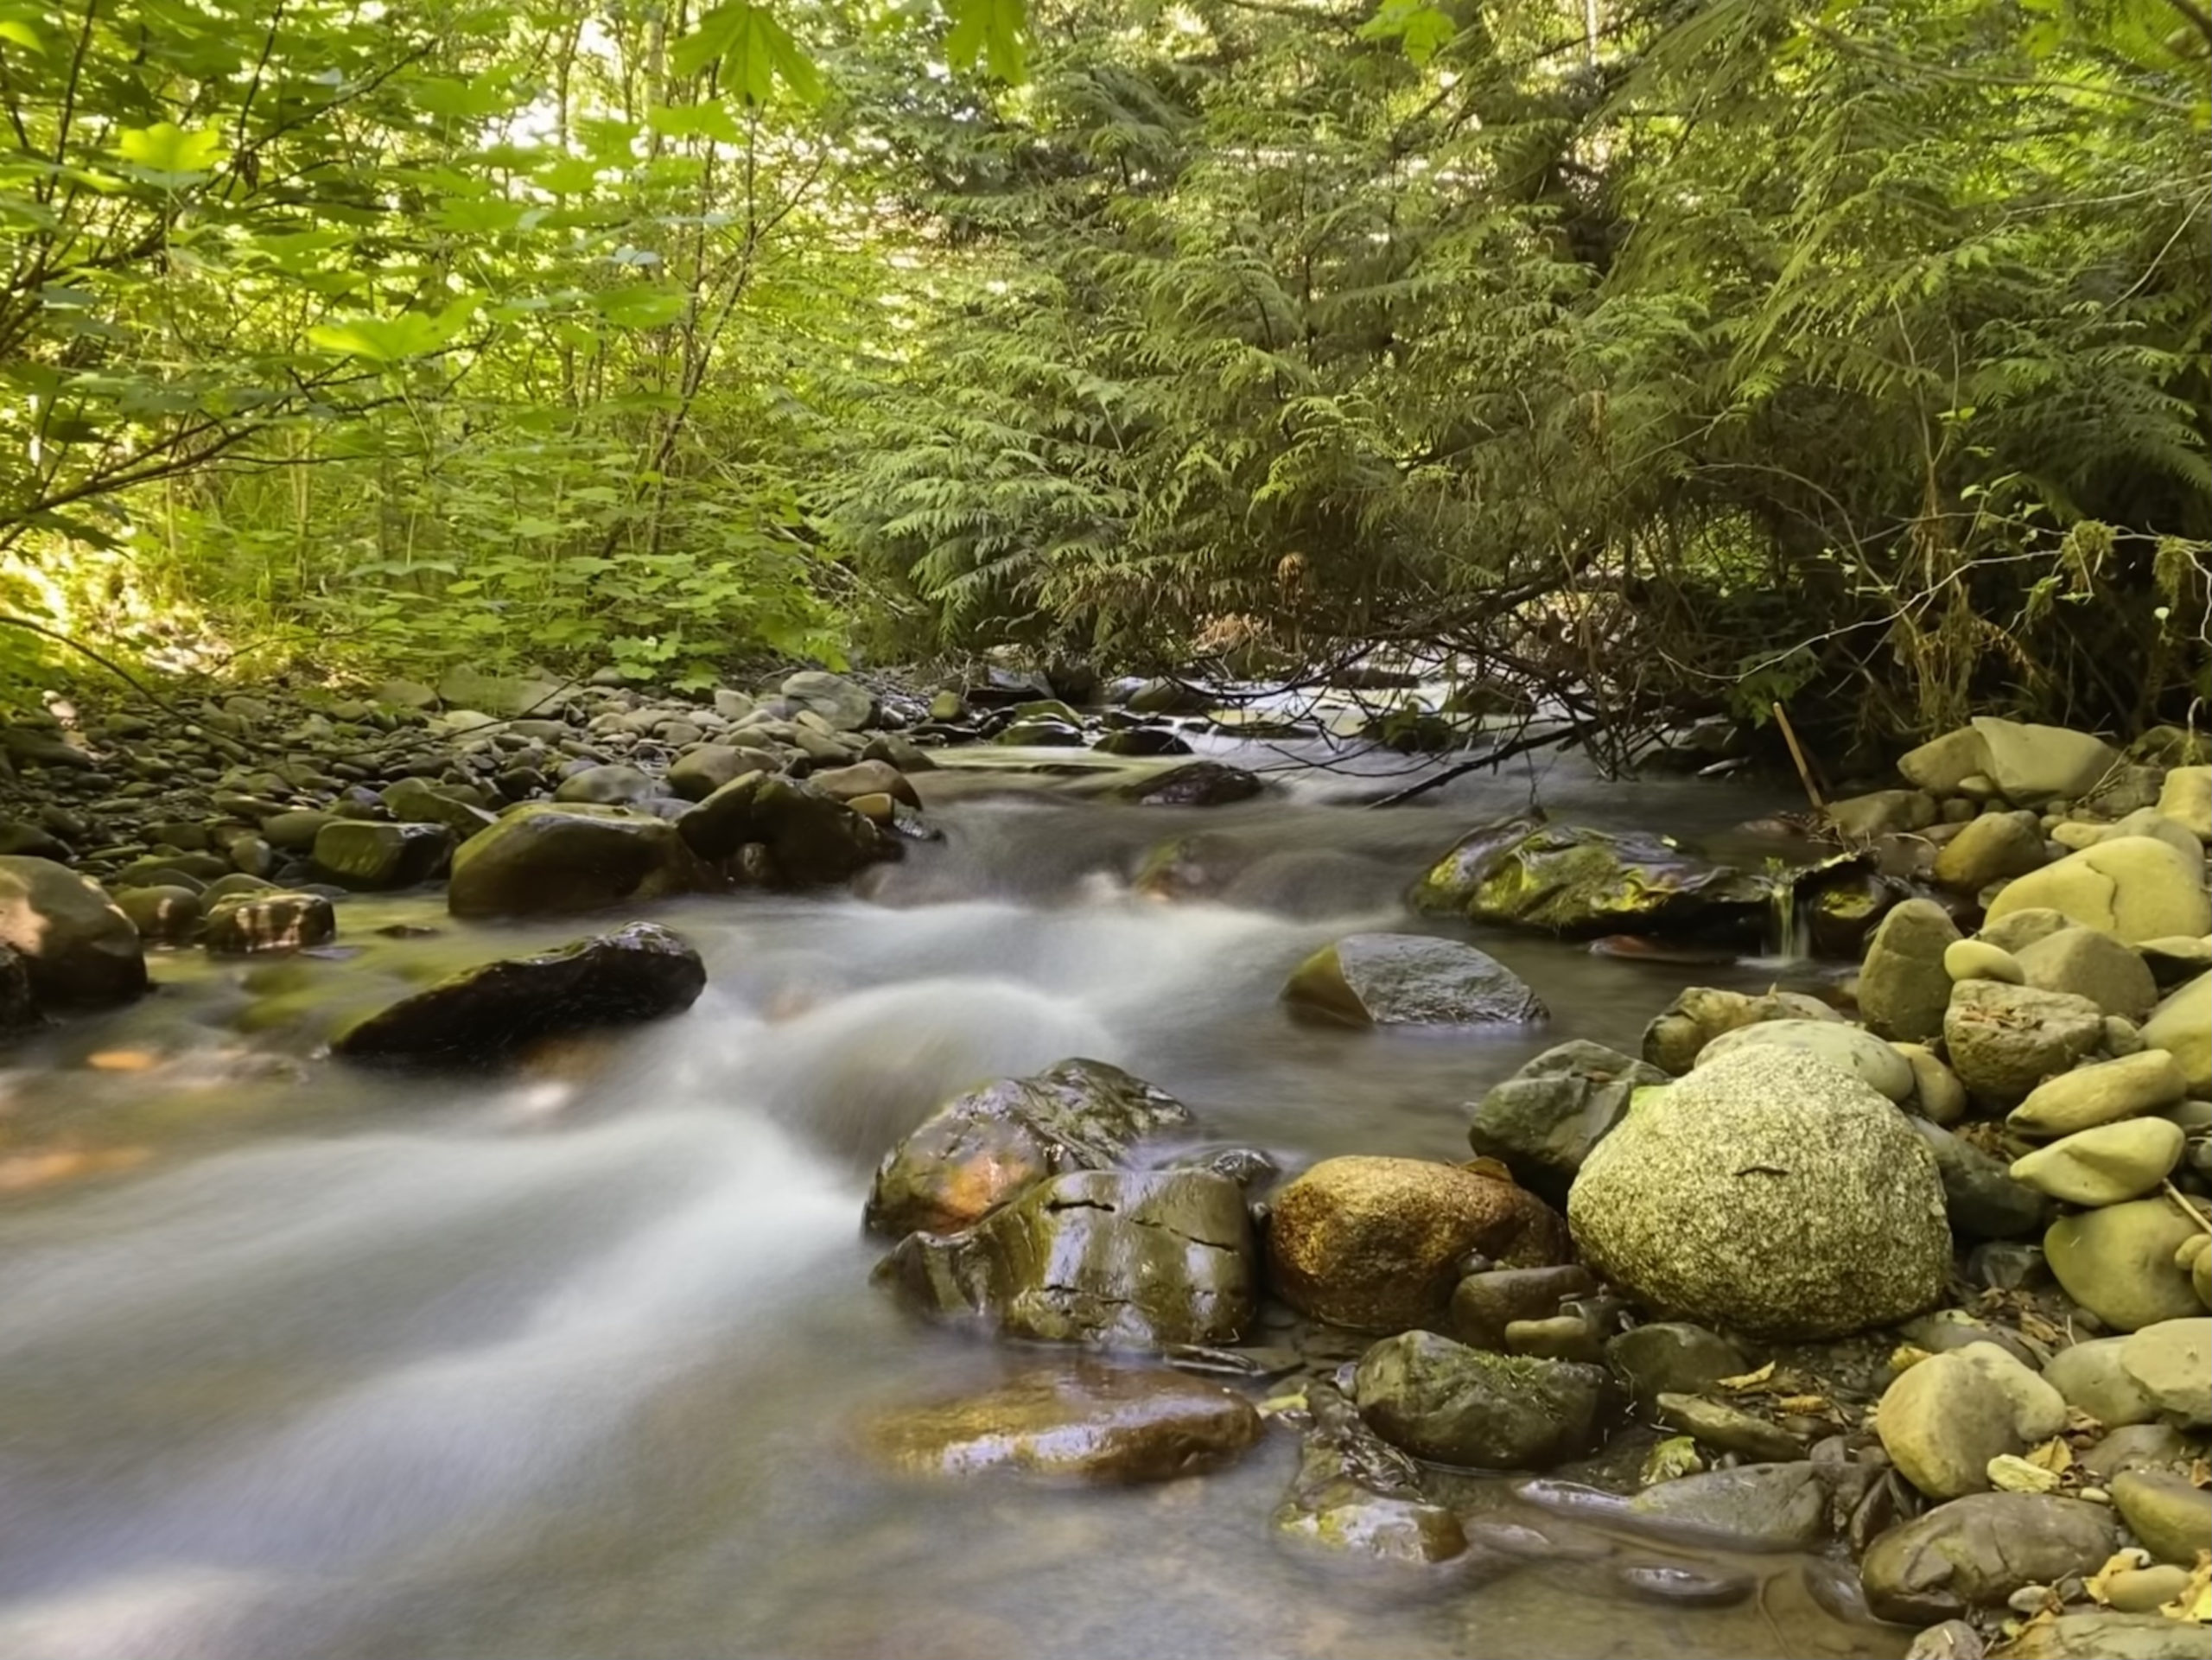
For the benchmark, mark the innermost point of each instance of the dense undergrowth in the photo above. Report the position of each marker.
(1683, 356)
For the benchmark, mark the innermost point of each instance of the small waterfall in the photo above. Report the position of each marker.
(1787, 935)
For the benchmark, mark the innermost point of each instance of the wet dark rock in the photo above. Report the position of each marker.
(1751, 1507)
(18, 1008)
(1378, 1244)
(78, 949)
(1411, 980)
(1729, 1429)
(1354, 1495)
(1672, 1357)
(810, 837)
(484, 1015)
(372, 856)
(1684, 1587)
(1195, 783)
(1087, 1422)
(1485, 1304)
(547, 859)
(163, 916)
(1543, 1120)
(1141, 741)
(981, 1148)
(19, 840)
(1567, 880)
(28, 745)
(1446, 1402)
(611, 785)
(244, 923)
(1105, 1258)
(1975, 1552)
(1979, 1196)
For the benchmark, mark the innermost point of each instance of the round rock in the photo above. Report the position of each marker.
(1847, 1048)
(1375, 1243)
(1770, 1194)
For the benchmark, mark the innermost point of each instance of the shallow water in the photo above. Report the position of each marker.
(297, 1360)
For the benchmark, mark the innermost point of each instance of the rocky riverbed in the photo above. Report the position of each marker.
(1890, 1264)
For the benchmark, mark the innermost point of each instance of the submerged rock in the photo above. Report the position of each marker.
(1106, 1257)
(1088, 1422)
(984, 1146)
(1411, 980)
(546, 859)
(78, 949)
(1769, 1194)
(1194, 783)
(483, 1015)
(1377, 1244)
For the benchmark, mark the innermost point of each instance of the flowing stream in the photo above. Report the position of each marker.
(298, 1360)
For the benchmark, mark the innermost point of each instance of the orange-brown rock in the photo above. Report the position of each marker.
(1377, 1244)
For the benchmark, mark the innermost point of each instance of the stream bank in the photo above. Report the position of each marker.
(582, 1357)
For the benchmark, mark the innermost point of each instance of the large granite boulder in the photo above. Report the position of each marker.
(1770, 1194)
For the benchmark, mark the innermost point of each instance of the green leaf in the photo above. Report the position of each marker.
(754, 50)
(641, 305)
(169, 155)
(710, 120)
(1422, 29)
(387, 340)
(995, 31)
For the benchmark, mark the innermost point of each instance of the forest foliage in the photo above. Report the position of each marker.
(1681, 354)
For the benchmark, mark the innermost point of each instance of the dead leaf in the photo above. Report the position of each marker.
(1276, 1405)
(1750, 1380)
(2121, 1561)
(1906, 1357)
(1808, 1406)
(2054, 1455)
(2010, 1473)
(1496, 1169)
(2195, 1603)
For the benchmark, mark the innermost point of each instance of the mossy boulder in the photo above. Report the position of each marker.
(1452, 1405)
(549, 859)
(1565, 879)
